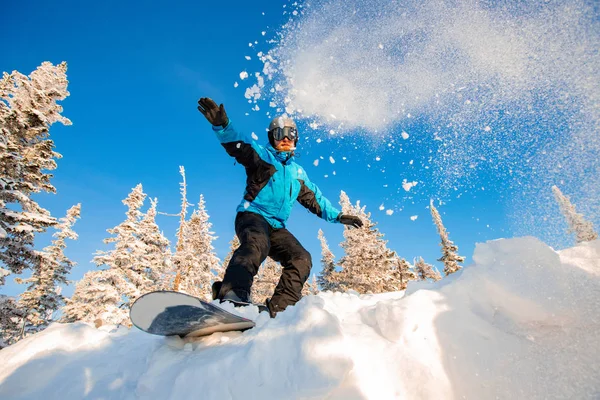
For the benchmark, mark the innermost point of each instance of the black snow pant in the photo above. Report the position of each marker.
(257, 241)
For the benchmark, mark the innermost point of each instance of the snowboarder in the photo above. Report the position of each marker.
(274, 182)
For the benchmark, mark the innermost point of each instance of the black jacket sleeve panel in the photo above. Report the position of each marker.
(244, 153)
(307, 198)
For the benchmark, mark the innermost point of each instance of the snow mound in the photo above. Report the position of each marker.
(521, 322)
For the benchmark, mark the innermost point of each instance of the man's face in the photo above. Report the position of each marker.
(284, 145)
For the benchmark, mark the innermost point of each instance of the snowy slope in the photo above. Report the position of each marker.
(522, 322)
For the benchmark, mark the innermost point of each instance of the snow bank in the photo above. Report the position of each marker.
(521, 322)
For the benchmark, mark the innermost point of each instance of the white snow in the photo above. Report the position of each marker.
(414, 217)
(243, 75)
(520, 322)
(408, 185)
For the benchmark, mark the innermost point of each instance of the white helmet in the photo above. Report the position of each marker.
(282, 121)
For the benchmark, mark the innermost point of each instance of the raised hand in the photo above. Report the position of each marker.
(215, 114)
(350, 220)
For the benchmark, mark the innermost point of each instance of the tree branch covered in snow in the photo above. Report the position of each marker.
(198, 263)
(368, 265)
(43, 295)
(11, 319)
(97, 299)
(180, 259)
(326, 278)
(265, 281)
(450, 257)
(28, 107)
(135, 264)
(426, 271)
(584, 230)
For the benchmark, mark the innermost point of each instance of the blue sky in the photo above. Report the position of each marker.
(135, 74)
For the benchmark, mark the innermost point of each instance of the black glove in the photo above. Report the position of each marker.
(350, 220)
(215, 114)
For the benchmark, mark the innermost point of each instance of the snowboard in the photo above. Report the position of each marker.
(168, 313)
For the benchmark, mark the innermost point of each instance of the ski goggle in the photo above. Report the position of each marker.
(286, 132)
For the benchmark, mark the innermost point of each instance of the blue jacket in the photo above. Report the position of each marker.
(274, 181)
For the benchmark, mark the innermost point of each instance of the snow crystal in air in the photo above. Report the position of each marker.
(243, 75)
(389, 212)
(316, 162)
(248, 58)
(408, 185)
(331, 160)
(414, 217)
(404, 135)
(254, 136)
(252, 93)
(381, 207)
(235, 84)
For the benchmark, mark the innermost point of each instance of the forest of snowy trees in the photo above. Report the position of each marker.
(141, 258)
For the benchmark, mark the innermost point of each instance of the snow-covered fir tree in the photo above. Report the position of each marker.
(128, 257)
(3, 274)
(311, 287)
(28, 107)
(401, 272)
(367, 263)
(450, 257)
(583, 230)
(265, 281)
(43, 294)
(326, 278)
(203, 265)
(11, 320)
(157, 257)
(183, 255)
(426, 271)
(97, 299)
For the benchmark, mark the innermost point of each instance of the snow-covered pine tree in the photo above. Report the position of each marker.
(28, 107)
(128, 257)
(367, 263)
(400, 274)
(182, 257)
(310, 287)
(426, 271)
(11, 321)
(584, 230)
(203, 264)
(157, 257)
(265, 281)
(97, 299)
(450, 257)
(3, 274)
(326, 279)
(43, 295)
